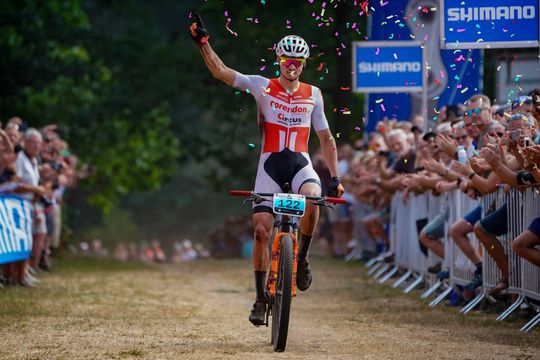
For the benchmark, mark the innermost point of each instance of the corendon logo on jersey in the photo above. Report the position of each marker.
(293, 109)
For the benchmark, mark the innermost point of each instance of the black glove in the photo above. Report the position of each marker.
(197, 31)
(332, 189)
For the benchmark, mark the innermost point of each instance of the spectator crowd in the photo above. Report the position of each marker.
(37, 165)
(475, 148)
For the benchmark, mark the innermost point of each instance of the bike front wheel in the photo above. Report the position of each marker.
(281, 306)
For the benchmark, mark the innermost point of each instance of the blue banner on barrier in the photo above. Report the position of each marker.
(15, 229)
(489, 24)
(387, 66)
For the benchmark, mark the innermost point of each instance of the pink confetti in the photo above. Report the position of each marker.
(377, 52)
(227, 26)
(358, 128)
(262, 68)
(383, 108)
(461, 30)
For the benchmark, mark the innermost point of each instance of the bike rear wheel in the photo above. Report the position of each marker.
(281, 305)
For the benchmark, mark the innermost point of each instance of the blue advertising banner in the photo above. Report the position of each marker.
(387, 66)
(15, 229)
(479, 24)
(454, 75)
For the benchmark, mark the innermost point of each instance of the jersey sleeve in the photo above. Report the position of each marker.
(253, 84)
(318, 118)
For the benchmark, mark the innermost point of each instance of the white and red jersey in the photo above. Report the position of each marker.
(284, 119)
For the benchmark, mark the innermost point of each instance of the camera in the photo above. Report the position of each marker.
(526, 141)
(514, 135)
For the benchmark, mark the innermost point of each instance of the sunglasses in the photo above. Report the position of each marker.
(475, 111)
(460, 138)
(499, 134)
(287, 61)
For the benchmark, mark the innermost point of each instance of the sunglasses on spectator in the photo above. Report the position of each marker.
(460, 138)
(475, 111)
(287, 61)
(499, 134)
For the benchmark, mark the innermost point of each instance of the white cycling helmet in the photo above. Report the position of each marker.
(293, 46)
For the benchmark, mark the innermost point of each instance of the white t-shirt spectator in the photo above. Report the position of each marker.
(27, 169)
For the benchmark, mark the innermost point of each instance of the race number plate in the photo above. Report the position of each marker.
(290, 204)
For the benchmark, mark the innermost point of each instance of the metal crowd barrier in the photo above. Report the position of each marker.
(490, 273)
(530, 274)
(460, 267)
(524, 277)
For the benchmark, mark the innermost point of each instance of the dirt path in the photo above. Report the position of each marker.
(100, 310)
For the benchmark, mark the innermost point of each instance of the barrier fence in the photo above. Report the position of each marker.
(408, 217)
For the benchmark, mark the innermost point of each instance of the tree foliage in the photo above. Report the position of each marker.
(55, 73)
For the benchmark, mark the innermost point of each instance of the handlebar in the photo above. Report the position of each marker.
(320, 199)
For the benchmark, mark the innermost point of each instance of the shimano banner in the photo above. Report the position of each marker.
(15, 229)
(483, 24)
(387, 66)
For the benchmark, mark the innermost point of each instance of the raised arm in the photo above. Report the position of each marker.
(217, 68)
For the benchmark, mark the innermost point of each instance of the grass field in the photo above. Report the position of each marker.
(102, 309)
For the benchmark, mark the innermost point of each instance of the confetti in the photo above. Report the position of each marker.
(338, 135)
(358, 128)
(378, 101)
(345, 88)
(383, 108)
(251, 146)
(227, 26)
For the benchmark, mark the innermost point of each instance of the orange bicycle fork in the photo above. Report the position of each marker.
(284, 228)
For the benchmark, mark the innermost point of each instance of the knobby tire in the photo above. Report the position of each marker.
(281, 306)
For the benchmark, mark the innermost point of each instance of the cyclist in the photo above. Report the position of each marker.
(286, 110)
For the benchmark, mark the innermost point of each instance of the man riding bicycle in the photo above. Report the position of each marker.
(286, 110)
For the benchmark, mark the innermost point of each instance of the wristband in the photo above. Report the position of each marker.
(459, 181)
(471, 175)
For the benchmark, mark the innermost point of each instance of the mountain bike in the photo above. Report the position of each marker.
(281, 282)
